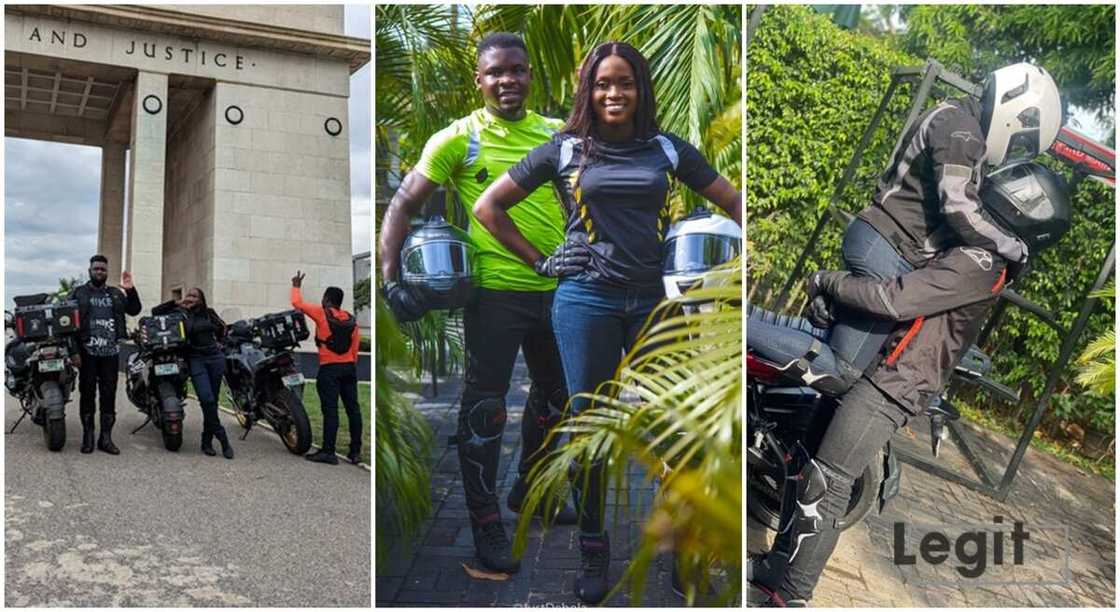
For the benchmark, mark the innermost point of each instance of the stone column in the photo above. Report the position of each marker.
(110, 226)
(144, 251)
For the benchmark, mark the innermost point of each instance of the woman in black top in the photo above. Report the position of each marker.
(612, 168)
(206, 362)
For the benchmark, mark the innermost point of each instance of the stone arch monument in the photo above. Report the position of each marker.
(233, 122)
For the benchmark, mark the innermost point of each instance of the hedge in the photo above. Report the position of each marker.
(811, 91)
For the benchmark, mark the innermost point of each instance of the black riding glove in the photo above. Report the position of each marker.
(570, 258)
(820, 312)
(404, 305)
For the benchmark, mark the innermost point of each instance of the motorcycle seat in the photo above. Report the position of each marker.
(754, 313)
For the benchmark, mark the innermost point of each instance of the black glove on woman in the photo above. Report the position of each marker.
(570, 258)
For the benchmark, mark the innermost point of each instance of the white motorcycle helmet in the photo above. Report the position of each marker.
(694, 245)
(1021, 113)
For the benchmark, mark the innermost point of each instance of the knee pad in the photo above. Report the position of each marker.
(482, 422)
(811, 484)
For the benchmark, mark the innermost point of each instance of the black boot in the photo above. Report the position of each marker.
(105, 440)
(595, 555)
(566, 515)
(208, 443)
(87, 434)
(223, 439)
(323, 456)
(492, 546)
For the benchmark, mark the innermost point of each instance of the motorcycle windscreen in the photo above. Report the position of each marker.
(693, 253)
(437, 259)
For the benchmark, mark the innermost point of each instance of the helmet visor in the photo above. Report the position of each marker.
(442, 258)
(697, 253)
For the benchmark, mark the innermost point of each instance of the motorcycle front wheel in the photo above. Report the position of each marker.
(296, 432)
(54, 429)
(764, 500)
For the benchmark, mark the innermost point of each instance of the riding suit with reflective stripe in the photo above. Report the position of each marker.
(927, 199)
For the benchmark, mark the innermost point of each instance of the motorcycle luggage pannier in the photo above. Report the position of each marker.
(282, 329)
(163, 331)
(46, 320)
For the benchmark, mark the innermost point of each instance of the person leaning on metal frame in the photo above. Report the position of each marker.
(101, 310)
(512, 308)
(927, 198)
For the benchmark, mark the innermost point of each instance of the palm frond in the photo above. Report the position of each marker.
(674, 408)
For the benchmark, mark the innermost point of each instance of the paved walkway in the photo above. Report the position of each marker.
(430, 572)
(160, 529)
(1048, 496)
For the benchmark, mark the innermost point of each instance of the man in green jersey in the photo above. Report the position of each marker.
(514, 303)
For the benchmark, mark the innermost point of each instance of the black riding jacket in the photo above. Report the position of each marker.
(945, 303)
(927, 200)
(125, 301)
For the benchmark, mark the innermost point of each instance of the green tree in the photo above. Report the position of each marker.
(361, 294)
(1076, 43)
(65, 286)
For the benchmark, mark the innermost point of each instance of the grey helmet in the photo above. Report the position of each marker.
(438, 265)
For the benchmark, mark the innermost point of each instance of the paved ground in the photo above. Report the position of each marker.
(155, 528)
(1061, 507)
(429, 571)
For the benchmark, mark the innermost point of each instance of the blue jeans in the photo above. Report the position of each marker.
(857, 338)
(595, 324)
(206, 376)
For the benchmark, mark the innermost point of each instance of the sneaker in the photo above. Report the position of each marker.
(595, 555)
(323, 457)
(493, 547)
(566, 515)
(354, 457)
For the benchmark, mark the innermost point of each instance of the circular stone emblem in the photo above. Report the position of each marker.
(234, 114)
(333, 126)
(152, 104)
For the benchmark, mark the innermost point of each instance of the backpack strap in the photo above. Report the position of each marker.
(669, 150)
(567, 151)
(474, 148)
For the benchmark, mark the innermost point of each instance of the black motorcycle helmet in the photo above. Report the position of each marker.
(1030, 201)
(438, 265)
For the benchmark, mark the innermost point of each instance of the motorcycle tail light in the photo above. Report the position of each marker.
(762, 371)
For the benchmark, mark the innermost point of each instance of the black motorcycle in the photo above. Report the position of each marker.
(38, 371)
(158, 373)
(262, 378)
(786, 421)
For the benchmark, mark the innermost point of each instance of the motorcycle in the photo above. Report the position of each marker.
(787, 419)
(38, 371)
(262, 379)
(157, 375)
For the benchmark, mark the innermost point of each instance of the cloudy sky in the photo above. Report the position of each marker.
(51, 194)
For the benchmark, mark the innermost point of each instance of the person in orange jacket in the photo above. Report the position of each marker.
(337, 336)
